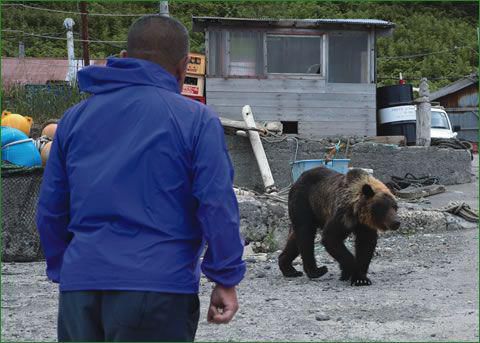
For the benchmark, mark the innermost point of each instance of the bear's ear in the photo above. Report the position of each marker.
(355, 174)
(367, 190)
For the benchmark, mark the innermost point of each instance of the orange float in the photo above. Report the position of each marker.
(17, 121)
(49, 130)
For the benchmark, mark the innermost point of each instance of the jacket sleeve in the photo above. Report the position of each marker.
(217, 210)
(53, 210)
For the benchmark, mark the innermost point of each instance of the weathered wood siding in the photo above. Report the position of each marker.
(321, 109)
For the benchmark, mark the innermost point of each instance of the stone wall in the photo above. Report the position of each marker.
(280, 155)
(450, 166)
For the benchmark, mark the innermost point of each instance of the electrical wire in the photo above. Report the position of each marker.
(63, 38)
(77, 13)
(427, 53)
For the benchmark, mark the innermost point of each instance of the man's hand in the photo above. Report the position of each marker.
(223, 305)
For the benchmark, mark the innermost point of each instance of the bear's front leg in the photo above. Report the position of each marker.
(365, 244)
(333, 237)
(359, 279)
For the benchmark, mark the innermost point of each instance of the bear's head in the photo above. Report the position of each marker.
(374, 204)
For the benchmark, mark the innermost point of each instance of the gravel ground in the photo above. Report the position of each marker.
(425, 288)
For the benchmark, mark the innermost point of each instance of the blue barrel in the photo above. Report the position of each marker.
(22, 153)
(298, 167)
(10, 134)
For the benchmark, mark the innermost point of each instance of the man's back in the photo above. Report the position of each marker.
(143, 170)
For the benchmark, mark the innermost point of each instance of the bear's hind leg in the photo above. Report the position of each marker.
(287, 256)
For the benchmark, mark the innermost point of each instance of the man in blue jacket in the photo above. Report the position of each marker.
(138, 181)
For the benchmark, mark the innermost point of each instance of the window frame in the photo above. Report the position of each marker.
(371, 58)
(302, 33)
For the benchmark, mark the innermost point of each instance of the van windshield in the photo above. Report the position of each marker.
(439, 120)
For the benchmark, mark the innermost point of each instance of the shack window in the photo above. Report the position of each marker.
(348, 57)
(246, 54)
(289, 54)
(235, 53)
(216, 56)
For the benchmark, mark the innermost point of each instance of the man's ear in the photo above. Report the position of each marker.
(181, 70)
(367, 190)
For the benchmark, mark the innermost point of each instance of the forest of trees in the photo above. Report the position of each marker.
(442, 36)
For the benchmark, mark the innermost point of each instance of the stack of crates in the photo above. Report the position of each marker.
(194, 85)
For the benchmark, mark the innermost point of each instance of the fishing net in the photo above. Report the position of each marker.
(20, 191)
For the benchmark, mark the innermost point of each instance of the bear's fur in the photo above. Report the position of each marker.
(340, 205)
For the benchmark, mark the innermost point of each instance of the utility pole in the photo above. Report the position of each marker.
(424, 115)
(164, 9)
(84, 28)
(21, 49)
(68, 23)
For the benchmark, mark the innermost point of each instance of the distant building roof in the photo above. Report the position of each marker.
(200, 23)
(37, 70)
(455, 86)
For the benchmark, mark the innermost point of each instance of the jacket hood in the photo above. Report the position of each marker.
(125, 72)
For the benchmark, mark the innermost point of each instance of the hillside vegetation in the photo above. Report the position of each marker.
(442, 36)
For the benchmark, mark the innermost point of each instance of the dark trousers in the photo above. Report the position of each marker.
(127, 316)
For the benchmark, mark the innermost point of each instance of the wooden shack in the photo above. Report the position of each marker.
(316, 76)
(460, 100)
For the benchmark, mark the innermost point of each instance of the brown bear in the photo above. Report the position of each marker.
(340, 205)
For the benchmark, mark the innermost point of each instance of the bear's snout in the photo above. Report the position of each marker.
(395, 225)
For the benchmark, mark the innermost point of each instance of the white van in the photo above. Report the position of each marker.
(441, 126)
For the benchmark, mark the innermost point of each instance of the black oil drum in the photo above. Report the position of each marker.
(396, 95)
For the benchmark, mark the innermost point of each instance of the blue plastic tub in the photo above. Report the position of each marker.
(298, 167)
(22, 153)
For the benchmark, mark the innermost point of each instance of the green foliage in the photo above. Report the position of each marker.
(421, 28)
(41, 102)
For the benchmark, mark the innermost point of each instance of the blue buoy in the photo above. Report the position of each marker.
(10, 134)
(21, 153)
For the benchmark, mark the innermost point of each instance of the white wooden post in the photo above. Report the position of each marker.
(424, 116)
(258, 150)
(71, 76)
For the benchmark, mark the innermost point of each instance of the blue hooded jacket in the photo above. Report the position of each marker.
(138, 179)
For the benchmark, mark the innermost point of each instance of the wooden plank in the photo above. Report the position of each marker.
(240, 125)
(303, 96)
(318, 128)
(285, 86)
(312, 114)
(420, 192)
(291, 104)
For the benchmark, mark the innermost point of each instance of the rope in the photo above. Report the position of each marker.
(409, 180)
(453, 143)
(12, 169)
(462, 210)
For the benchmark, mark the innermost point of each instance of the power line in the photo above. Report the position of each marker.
(63, 38)
(455, 77)
(426, 54)
(77, 13)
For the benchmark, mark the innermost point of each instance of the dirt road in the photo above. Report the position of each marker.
(425, 288)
